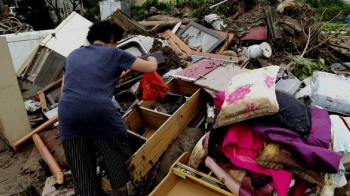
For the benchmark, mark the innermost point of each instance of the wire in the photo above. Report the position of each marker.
(13, 25)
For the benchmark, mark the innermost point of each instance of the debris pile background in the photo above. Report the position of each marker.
(10, 24)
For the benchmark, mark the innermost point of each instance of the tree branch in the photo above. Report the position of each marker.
(307, 43)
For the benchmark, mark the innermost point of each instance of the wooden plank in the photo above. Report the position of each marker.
(178, 42)
(133, 120)
(148, 133)
(184, 88)
(43, 103)
(175, 86)
(171, 179)
(147, 104)
(153, 119)
(241, 61)
(135, 135)
(141, 162)
(218, 79)
(192, 188)
(51, 86)
(172, 85)
(228, 41)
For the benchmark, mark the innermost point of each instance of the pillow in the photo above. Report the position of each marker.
(199, 152)
(292, 115)
(250, 94)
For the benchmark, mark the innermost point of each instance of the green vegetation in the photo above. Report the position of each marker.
(330, 8)
(304, 67)
(137, 12)
(336, 27)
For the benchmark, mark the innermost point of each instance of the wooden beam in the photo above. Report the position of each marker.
(180, 44)
(59, 81)
(228, 41)
(43, 103)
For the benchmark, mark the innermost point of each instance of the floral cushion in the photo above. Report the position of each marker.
(249, 95)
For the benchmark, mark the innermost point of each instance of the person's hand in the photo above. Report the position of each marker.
(152, 59)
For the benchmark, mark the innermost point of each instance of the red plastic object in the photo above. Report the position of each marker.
(256, 33)
(151, 87)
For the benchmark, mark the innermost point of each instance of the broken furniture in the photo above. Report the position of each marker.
(273, 23)
(180, 47)
(159, 129)
(212, 75)
(125, 22)
(22, 45)
(238, 61)
(229, 37)
(198, 70)
(184, 180)
(51, 93)
(200, 38)
(218, 79)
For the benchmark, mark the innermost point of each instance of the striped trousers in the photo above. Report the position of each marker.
(80, 154)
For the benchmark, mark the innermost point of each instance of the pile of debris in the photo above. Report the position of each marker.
(10, 24)
(290, 28)
(201, 55)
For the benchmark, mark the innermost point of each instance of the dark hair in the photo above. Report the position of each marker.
(104, 30)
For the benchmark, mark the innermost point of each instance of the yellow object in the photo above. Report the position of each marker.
(6, 10)
(280, 7)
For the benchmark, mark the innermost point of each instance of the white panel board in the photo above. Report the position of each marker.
(69, 35)
(14, 123)
(21, 45)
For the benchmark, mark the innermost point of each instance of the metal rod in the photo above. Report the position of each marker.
(211, 7)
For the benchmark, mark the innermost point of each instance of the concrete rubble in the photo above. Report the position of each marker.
(202, 55)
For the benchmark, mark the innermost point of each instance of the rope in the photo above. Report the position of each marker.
(13, 25)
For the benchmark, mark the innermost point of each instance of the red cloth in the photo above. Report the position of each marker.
(151, 87)
(241, 146)
(300, 187)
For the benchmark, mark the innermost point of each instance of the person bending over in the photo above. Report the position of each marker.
(87, 115)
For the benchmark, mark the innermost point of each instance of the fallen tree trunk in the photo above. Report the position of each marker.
(166, 23)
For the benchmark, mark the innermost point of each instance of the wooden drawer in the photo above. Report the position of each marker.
(184, 180)
(157, 129)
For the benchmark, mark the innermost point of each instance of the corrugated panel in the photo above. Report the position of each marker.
(51, 70)
(146, 41)
(218, 79)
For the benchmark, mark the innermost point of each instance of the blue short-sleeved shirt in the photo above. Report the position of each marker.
(86, 109)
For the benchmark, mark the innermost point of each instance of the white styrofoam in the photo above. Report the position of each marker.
(69, 35)
(21, 45)
(50, 190)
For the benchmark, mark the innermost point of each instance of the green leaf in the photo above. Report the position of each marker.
(322, 62)
(307, 69)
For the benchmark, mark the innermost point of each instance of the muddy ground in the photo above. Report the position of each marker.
(10, 168)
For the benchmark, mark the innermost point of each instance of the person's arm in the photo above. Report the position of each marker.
(145, 66)
(126, 61)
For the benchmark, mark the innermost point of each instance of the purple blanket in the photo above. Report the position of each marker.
(311, 153)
